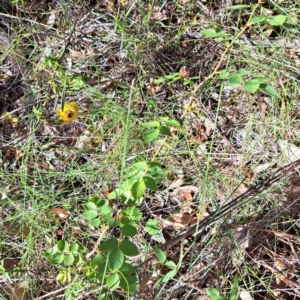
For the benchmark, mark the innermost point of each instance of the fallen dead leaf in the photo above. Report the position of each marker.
(9, 263)
(14, 228)
(60, 212)
(262, 106)
(19, 292)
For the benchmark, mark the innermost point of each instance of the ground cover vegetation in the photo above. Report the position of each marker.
(149, 149)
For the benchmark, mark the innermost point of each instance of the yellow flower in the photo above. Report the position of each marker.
(69, 112)
(8, 119)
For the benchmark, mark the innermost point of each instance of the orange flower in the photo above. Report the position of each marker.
(69, 112)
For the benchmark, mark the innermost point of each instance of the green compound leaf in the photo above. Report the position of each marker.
(129, 284)
(95, 222)
(90, 206)
(252, 85)
(113, 281)
(150, 183)
(109, 245)
(128, 230)
(128, 248)
(62, 245)
(57, 258)
(269, 90)
(132, 213)
(74, 247)
(90, 214)
(150, 135)
(235, 80)
(277, 20)
(68, 259)
(224, 74)
(115, 259)
(160, 255)
(151, 124)
(164, 130)
(152, 226)
(138, 189)
(126, 269)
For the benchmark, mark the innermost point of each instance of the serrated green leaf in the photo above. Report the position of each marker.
(115, 259)
(257, 19)
(164, 130)
(140, 166)
(252, 85)
(129, 284)
(90, 214)
(269, 90)
(132, 213)
(57, 258)
(152, 226)
(128, 230)
(126, 221)
(138, 189)
(109, 245)
(277, 20)
(113, 281)
(126, 269)
(235, 80)
(62, 245)
(152, 124)
(128, 248)
(160, 255)
(95, 222)
(150, 183)
(73, 247)
(224, 74)
(239, 6)
(90, 206)
(150, 135)
(68, 259)
(173, 123)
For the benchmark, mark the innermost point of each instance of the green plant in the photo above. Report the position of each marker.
(214, 294)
